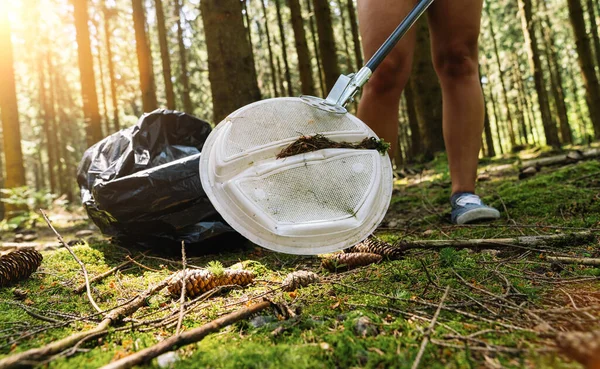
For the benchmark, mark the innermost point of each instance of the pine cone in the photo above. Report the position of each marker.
(583, 347)
(199, 281)
(376, 246)
(18, 265)
(300, 278)
(342, 262)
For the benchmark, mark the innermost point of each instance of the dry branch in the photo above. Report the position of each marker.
(569, 260)
(429, 330)
(568, 158)
(100, 277)
(185, 338)
(35, 356)
(499, 243)
(83, 269)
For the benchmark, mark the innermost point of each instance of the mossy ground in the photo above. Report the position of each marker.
(398, 296)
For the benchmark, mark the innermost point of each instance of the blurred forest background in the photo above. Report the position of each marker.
(75, 71)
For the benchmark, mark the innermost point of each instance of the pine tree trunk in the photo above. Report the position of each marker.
(107, 14)
(327, 48)
(355, 36)
(45, 118)
(288, 77)
(231, 71)
(349, 66)
(490, 94)
(521, 110)
(416, 146)
(106, 128)
(581, 117)
(270, 50)
(313, 34)
(487, 129)
(54, 136)
(164, 54)
(526, 102)
(144, 55)
(249, 32)
(184, 79)
(304, 65)
(426, 94)
(91, 112)
(586, 63)
(594, 30)
(9, 111)
(511, 129)
(550, 130)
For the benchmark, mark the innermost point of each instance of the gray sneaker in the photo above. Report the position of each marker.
(468, 208)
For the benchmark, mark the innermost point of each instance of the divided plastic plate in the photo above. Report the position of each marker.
(307, 204)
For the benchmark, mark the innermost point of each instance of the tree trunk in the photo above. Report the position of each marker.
(487, 129)
(426, 94)
(144, 56)
(288, 77)
(11, 131)
(355, 36)
(231, 71)
(586, 63)
(183, 76)
(526, 102)
(91, 112)
(313, 34)
(280, 75)
(511, 129)
(45, 118)
(164, 54)
(581, 117)
(594, 29)
(535, 64)
(57, 147)
(108, 14)
(415, 133)
(304, 65)
(490, 94)
(326, 43)
(102, 92)
(349, 66)
(270, 50)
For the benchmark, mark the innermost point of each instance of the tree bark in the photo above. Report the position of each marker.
(45, 118)
(304, 65)
(270, 50)
(144, 56)
(586, 63)
(327, 48)
(107, 14)
(550, 130)
(11, 130)
(58, 146)
(313, 34)
(349, 66)
(496, 120)
(528, 104)
(164, 54)
(511, 129)
(490, 151)
(415, 133)
(231, 71)
(355, 36)
(91, 112)
(183, 71)
(594, 29)
(426, 94)
(288, 77)
(106, 124)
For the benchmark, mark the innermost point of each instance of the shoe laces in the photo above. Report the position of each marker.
(468, 198)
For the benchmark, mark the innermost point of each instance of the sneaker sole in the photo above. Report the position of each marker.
(477, 215)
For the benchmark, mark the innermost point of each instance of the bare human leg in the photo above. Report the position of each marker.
(454, 26)
(380, 99)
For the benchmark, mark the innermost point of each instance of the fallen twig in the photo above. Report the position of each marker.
(429, 330)
(84, 270)
(185, 338)
(183, 280)
(100, 277)
(569, 260)
(35, 356)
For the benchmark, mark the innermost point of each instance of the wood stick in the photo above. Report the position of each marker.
(83, 269)
(429, 330)
(183, 281)
(569, 260)
(570, 157)
(35, 356)
(185, 338)
(100, 277)
(499, 243)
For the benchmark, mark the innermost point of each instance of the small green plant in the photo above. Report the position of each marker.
(448, 256)
(216, 268)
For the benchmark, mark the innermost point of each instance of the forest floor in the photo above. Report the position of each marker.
(504, 307)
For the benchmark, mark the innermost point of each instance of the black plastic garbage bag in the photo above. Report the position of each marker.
(142, 184)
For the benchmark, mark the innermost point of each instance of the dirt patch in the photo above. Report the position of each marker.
(306, 144)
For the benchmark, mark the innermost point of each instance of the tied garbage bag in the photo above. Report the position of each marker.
(142, 183)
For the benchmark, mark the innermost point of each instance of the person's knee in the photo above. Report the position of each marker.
(389, 78)
(458, 60)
